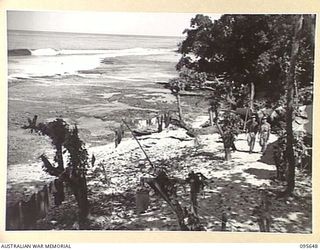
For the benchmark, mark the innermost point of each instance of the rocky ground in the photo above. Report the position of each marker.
(234, 187)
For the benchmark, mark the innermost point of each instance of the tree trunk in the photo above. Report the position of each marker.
(83, 200)
(79, 187)
(59, 157)
(227, 153)
(246, 119)
(179, 106)
(311, 22)
(211, 117)
(252, 91)
(290, 95)
(296, 93)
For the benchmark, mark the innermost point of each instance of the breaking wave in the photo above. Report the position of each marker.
(106, 53)
(25, 63)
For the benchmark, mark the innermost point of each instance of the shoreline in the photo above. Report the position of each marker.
(32, 175)
(236, 184)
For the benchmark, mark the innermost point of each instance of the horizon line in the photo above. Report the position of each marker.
(94, 33)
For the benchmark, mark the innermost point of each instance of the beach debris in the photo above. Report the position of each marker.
(196, 182)
(166, 187)
(102, 165)
(142, 199)
(32, 124)
(25, 213)
(119, 133)
(93, 160)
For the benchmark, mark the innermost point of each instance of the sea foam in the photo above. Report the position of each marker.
(50, 62)
(106, 52)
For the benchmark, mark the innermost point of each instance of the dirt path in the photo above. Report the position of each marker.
(235, 186)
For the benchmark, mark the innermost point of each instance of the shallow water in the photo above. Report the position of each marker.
(90, 80)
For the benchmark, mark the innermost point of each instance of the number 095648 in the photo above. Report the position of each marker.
(307, 246)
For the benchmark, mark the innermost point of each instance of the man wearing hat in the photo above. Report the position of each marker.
(265, 129)
(252, 129)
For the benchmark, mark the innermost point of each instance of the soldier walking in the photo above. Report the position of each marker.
(252, 130)
(264, 132)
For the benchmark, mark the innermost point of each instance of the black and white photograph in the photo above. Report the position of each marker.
(160, 121)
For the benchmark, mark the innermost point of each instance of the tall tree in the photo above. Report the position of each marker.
(187, 79)
(57, 131)
(247, 49)
(74, 174)
(297, 21)
(266, 52)
(78, 162)
(227, 123)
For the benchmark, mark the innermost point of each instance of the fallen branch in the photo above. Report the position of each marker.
(147, 157)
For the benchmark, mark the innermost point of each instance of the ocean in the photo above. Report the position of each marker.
(40, 54)
(93, 81)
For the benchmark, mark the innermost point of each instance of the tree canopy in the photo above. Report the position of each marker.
(249, 48)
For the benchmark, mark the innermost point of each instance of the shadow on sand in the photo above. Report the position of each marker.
(247, 151)
(267, 157)
(210, 155)
(261, 173)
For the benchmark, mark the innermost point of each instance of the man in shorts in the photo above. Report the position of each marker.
(265, 129)
(252, 130)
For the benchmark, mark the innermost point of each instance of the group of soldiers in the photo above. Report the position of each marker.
(254, 128)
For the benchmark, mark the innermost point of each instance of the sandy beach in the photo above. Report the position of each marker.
(235, 186)
(110, 80)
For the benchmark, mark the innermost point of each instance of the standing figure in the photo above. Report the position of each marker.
(265, 129)
(252, 130)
